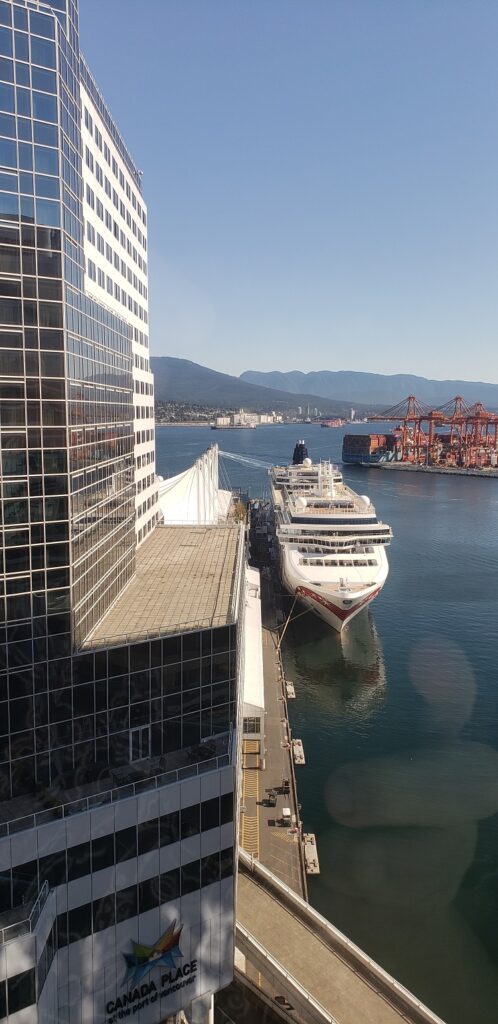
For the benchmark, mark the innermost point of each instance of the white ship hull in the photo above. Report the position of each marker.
(336, 602)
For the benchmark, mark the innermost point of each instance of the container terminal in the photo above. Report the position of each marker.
(455, 438)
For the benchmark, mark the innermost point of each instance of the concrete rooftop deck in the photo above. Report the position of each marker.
(185, 579)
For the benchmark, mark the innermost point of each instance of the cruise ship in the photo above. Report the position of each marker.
(332, 547)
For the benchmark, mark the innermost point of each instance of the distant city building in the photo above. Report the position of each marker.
(120, 639)
(245, 419)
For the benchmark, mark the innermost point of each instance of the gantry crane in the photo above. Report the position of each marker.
(472, 436)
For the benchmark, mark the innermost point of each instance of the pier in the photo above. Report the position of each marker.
(269, 819)
(486, 473)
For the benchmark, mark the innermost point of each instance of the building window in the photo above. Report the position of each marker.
(252, 725)
(139, 743)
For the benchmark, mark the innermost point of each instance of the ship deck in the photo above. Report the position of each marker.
(329, 511)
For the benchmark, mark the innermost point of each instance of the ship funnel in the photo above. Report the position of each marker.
(300, 453)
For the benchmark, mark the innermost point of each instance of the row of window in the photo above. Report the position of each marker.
(127, 704)
(144, 460)
(110, 160)
(89, 84)
(146, 505)
(145, 530)
(146, 482)
(20, 991)
(104, 666)
(39, 24)
(112, 225)
(109, 675)
(104, 281)
(143, 436)
(97, 324)
(18, 45)
(141, 363)
(112, 257)
(142, 339)
(23, 882)
(13, 207)
(143, 412)
(103, 181)
(147, 895)
(142, 387)
(334, 562)
(74, 761)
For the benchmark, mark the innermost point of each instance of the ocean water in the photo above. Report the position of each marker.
(399, 720)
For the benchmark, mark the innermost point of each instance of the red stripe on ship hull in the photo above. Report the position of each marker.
(342, 613)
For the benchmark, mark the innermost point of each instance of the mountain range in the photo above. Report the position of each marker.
(375, 389)
(332, 391)
(180, 380)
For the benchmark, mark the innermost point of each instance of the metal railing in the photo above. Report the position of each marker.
(109, 796)
(238, 575)
(12, 931)
(360, 962)
(320, 1013)
(121, 639)
(190, 626)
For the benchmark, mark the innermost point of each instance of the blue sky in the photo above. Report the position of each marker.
(321, 177)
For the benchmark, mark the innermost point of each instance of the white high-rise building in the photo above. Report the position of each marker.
(115, 248)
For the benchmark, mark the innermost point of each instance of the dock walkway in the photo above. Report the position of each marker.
(261, 831)
(320, 961)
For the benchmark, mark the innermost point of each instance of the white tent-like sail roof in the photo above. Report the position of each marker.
(194, 495)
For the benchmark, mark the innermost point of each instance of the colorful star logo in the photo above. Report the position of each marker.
(144, 958)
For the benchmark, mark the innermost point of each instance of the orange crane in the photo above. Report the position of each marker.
(472, 437)
(474, 431)
(410, 414)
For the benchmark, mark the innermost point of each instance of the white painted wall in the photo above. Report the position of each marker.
(102, 277)
(87, 976)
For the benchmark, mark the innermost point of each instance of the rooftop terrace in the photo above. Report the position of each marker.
(186, 578)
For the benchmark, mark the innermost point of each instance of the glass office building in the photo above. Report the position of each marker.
(117, 752)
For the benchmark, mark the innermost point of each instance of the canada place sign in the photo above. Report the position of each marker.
(142, 990)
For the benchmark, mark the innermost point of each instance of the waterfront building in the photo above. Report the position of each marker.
(120, 642)
(253, 708)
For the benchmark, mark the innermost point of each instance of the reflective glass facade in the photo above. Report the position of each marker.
(66, 394)
(116, 762)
